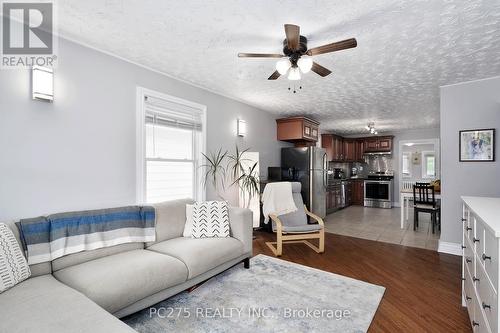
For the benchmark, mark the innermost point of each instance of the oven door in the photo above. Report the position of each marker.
(378, 190)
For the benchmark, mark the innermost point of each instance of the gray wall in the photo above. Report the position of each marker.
(471, 105)
(79, 152)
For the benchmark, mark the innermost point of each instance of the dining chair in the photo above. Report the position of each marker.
(294, 227)
(424, 201)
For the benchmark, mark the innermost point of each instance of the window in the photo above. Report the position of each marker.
(428, 164)
(406, 170)
(171, 142)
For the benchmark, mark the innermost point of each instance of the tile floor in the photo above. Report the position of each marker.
(382, 225)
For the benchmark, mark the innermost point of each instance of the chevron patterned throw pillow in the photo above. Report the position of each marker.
(210, 219)
(13, 265)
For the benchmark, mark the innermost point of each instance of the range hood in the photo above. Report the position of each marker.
(380, 153)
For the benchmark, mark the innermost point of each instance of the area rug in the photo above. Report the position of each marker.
(272, 296)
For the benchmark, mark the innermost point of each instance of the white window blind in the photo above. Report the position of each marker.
(173, 144)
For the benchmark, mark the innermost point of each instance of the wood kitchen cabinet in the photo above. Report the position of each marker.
(297, 130)
(334, 146)
(333, 199)
(385, 143)
(340, 149)
(358, 192)
(360, 150)
(349, 150)
(379, 144)
(349, 194)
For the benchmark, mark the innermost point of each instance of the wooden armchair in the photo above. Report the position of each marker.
(293, 227)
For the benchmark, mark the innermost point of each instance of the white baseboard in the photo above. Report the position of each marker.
(450, 248)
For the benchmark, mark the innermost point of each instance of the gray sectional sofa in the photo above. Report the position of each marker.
(90, 290)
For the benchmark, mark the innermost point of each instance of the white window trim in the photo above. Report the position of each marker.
(141, 140)
(409, 164)
(437, 147)
(424, 164)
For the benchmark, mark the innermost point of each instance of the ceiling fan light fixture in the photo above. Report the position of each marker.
(294, 74)
(305, 64)
(283, 65)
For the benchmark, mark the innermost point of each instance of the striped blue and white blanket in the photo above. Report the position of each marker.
(46, 238)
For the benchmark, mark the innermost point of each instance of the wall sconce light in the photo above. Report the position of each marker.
(242, 127)
(42, 83)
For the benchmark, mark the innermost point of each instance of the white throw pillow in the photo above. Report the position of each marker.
(210, 219)
(188, 227)
(13, 265)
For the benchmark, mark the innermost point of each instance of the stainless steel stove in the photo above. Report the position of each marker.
(379, 189)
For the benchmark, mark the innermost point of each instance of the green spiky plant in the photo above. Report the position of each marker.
(222, 165)
(215, 170)
(235, 163)
(249, 184)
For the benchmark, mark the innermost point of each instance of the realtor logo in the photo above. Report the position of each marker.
(27, 34)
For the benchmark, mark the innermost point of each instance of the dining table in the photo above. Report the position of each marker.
(405, 196)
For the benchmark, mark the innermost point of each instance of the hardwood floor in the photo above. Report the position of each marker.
(423, 287)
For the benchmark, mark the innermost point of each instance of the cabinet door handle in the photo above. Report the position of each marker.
(475, 240)
(468, 228)
(464, 219)
(485, 306)
(467, 298)
(475, 323)
(468, 260)
(485, 257)
(475, 279)
(464, 247)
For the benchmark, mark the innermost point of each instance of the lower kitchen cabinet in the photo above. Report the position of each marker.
(333, 199)
(358, 192)
(348, 193)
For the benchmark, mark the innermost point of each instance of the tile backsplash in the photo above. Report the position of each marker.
(380, 163)
(373, 163)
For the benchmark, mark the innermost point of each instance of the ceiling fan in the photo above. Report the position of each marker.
(296, 58)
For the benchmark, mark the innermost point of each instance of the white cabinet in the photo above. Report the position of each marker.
(480, 244)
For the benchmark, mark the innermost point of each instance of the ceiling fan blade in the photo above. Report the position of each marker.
(320, 70)
(274, 76)
(260, 55)
(292, 36)
(332, 47)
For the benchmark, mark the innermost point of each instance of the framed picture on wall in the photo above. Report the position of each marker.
(477, 145)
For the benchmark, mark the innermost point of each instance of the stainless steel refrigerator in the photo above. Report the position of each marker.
(308, 166)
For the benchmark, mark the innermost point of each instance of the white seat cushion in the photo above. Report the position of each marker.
(117, 281)
(44, 305)
(200, 254)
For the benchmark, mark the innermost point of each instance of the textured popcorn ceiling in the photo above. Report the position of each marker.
(406, 50)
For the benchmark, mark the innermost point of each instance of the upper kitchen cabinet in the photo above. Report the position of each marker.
(298, 130)
(360, 150)
(334, 146)
(378, 144)
(349, 150)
